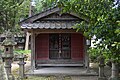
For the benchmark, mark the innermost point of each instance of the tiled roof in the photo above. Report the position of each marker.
(49, 25)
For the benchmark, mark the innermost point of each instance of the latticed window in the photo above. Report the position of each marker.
(60, 46)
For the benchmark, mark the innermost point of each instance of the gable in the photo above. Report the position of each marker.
(59, 17)
(51, 14)
(40, 15)
(51, 19)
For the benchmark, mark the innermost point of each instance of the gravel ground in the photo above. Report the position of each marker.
(62, 78)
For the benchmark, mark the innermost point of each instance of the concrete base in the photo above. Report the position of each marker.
(102, 78)
(62, 71)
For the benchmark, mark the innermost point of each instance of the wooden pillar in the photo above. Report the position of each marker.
(87, 61)
(88, 43)
(32, 51)
(85, 53)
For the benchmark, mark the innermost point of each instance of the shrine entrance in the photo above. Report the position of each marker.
(60, 46)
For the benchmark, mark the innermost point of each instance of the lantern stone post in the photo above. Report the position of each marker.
(8, 55)
(21, 66)
(115, 71)
(101, 60)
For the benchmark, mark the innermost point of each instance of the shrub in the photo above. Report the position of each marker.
(22, 52)
(95, 52)
(17, 52)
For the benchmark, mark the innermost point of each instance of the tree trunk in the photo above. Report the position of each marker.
(27, 41)
(28, 34)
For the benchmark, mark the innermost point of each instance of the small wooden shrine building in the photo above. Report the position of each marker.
(54, 42)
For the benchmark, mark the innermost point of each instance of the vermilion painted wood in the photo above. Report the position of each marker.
(77, 46)
(42, 46)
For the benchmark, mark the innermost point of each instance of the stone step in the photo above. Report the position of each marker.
(60, 65)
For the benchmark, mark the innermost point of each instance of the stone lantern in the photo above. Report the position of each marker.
(101, 60)
(115, 71)
(8, 55)
(21, 66)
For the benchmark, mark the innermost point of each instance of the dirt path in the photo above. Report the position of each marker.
(16, 66)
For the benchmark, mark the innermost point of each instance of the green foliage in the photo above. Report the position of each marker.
(43, 4)
(11, 11)
(22, 52)
(95, 52)
(38, 6)
(101, 18)
(1, 51)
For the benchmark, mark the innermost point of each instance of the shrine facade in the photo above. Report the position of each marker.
(54, 41)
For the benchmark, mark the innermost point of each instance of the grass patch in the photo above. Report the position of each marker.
(41, 78)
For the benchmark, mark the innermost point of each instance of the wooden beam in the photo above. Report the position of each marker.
(61, 19)
(37, 31)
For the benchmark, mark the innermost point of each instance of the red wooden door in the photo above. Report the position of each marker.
(42, 46)
(77, 46)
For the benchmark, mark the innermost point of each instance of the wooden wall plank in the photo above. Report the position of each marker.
(42, 46)
(77, 46)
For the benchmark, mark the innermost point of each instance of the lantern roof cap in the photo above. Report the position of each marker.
(9, 41)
